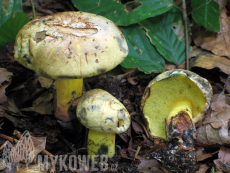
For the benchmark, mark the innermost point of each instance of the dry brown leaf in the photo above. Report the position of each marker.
(209, 61)
(137, 127)
(222, 3)
(218, 43)
(5, 75)
(203, 168)
(3, 97)
(43, 104)
(45, 82)
(223, 161)
(150, 166)
(208, 135)
(220, 111)
(5, 79)
(201, 155)
(169, 66)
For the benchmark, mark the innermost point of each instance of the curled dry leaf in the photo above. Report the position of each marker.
(219, 42)
(208, 135)
(209, 61)
(223, 161)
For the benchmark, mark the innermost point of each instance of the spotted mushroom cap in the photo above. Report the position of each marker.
(100, 111)
(70, 45)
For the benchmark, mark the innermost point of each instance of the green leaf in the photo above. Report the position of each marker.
(10, 28)
(9, 8)
(161, 29)
(115, 11)
(142, 53)
(206, 13)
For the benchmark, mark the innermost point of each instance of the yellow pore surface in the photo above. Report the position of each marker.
(167, 94)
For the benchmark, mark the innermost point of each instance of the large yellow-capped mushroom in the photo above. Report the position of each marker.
(181, 98)
(67, 47)
(105, 117)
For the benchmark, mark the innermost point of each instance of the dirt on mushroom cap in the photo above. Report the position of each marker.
(70, 45)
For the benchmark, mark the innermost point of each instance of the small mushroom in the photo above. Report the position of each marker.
(105, 117)
(181, 98)
(68, 47)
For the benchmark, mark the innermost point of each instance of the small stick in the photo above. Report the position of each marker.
(186, 33)
(122, 76)
(33, 9)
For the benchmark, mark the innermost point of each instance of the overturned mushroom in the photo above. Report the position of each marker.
(67, 47)
(181, 98)
(105, 117)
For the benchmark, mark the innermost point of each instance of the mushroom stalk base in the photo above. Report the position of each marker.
(180, 125)
(66, 91)
(101, 143)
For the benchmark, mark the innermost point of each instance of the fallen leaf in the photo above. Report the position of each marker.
(43, 104)
(201, 155)
(45, 82)
(5, 75)
(220, 111)
(203, 168)
(207, 60)
(137, 128)
(223, 161)
(218, 43)
(5, 79)
(208, 135)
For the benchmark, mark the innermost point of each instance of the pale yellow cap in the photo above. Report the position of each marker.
(100, 111)
(70, 45)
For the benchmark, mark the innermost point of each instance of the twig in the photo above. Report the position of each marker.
(122, 76)
(33, 9)
(226, 84)
(186, 33)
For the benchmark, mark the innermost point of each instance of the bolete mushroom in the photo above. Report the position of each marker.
(105, 117)
(181, 98)
(68, 47)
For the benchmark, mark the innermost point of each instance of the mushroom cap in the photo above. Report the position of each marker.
(100, 111)
(70, 45)
(169, 90)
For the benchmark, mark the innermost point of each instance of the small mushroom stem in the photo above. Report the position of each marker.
(101, 143)
(66, 91)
